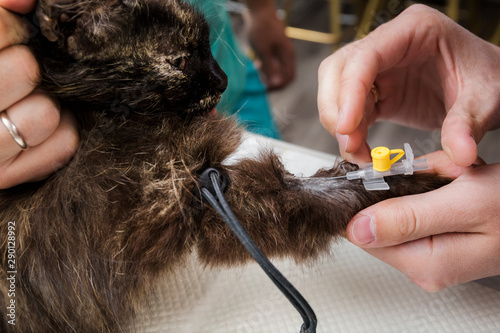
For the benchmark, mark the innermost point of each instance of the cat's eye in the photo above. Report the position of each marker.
(179, 63)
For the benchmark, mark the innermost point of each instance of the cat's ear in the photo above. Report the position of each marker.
(64, 20)
(47, 14)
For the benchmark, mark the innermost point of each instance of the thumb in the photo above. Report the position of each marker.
(463, 127)
(399, 220)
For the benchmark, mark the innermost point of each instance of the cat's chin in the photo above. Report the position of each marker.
(209, 103)
(203, 112)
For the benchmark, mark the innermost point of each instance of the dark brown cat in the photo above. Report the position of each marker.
(91, 240)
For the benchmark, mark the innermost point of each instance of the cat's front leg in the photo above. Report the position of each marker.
(285, 215)
(292, 216)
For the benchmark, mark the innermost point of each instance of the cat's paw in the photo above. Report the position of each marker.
(340, 168)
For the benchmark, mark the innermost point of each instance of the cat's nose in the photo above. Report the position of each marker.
(218, 78)
(221, 81)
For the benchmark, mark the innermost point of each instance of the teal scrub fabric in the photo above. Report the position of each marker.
(246, 95)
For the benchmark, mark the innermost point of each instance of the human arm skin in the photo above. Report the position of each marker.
(430, 73)
(50, 135)
(274, 49)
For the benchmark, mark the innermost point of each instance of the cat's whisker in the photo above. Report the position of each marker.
(221, 40)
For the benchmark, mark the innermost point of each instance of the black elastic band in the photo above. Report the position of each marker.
(220, 204)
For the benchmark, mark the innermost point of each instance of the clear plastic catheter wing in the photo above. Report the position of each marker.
(373, 173)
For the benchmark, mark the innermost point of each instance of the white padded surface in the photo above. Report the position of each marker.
(349, 290)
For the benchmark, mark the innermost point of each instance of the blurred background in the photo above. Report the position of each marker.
(319, 27)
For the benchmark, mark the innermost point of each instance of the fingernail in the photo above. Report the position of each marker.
(343, 140)
(363, 230)
(341, 116)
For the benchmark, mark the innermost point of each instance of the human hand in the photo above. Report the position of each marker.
(51, 136)
(440, 238)
(430, 73)
(274, 49)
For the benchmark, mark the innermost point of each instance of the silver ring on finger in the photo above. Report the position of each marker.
(13, 130)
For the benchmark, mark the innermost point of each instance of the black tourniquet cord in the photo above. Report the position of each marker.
(212, 180)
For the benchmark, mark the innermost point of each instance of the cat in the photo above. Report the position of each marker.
(91, 240)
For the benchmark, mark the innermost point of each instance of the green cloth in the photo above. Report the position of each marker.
(245, 96)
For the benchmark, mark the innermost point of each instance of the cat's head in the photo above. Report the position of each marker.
(128, 55)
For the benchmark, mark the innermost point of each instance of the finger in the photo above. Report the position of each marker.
(462, 128)
(12, 29)
(441, 261)
(19, 74)
(354, 147)
(355, 83)
(36, 117)
(39, 162)
(18, 6)
(399, 220)
(440, 163)
(396, 43)
(329, 73)
(362, 155)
